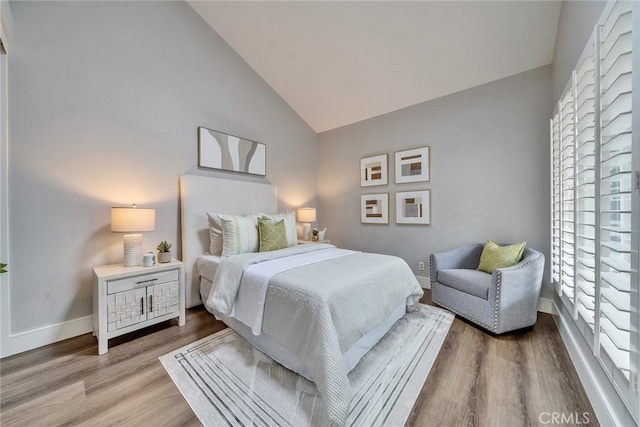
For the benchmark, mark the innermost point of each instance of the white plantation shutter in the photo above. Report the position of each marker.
(567, 186)
(555, 199)
(616, 187)
(595, 197)
(586, 188)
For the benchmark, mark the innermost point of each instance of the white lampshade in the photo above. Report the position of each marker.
(133, 219)
(307, 214)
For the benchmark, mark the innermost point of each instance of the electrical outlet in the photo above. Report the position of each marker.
(421, 266)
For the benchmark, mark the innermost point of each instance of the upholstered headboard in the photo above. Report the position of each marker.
(201, 194)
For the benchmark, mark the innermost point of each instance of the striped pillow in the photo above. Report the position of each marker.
(240, 234)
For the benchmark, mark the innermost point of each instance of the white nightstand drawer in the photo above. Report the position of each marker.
(143, 280)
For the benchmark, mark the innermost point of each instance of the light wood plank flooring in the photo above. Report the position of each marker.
(477, 380)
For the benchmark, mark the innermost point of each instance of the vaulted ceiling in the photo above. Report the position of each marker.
(337, 63)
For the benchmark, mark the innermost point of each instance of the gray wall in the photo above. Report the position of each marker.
(489, 170)
(575, 25)
(104, 103)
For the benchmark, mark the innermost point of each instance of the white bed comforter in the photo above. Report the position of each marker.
(319, 310)
(248, 307)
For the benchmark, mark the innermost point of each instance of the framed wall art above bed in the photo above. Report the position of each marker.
(218, 150)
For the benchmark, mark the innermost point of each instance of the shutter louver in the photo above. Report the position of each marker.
(567, 187)
(555, 200)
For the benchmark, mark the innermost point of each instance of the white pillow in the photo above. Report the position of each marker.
(289, 225)
(240, 234)
(215, 234)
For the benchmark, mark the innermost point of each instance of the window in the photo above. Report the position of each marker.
(595, 198)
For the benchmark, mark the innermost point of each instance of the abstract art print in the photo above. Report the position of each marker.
(374, 208)
(217, 150)
(412, 165)
(374, 171)
(413, 207)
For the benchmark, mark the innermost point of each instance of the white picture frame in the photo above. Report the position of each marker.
(374, 208)
(374, 170)
(413, 165)
(413, 207)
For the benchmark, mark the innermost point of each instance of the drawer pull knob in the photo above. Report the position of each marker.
(146, 281)
(142, 305)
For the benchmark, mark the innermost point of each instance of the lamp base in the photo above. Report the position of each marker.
(132, 250)
(306, 231)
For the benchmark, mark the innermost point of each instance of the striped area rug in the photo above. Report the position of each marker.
(227, 382)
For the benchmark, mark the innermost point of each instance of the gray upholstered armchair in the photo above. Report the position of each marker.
(500, 302)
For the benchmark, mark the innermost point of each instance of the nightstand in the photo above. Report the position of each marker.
(126, 299)
(304, 242)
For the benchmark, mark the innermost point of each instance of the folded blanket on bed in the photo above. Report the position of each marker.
(319, 310)
(252, 293)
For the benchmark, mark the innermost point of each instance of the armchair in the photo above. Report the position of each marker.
(500, 302)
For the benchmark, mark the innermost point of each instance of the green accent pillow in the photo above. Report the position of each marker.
(273, 235)
(289, 225)
(494, 256)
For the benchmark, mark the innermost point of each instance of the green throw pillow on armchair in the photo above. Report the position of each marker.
(496, 256)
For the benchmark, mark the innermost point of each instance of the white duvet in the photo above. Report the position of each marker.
(320, 308)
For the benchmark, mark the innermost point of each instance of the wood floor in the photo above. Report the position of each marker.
(478, 379)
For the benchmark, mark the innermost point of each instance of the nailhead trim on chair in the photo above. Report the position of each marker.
(431, 272)
(496, 312)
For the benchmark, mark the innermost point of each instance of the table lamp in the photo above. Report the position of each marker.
(306, 216)
(132, 220)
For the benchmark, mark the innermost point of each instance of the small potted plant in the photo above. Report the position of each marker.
(164, 251)
(314, 234)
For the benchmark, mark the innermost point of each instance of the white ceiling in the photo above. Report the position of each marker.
(336, 63)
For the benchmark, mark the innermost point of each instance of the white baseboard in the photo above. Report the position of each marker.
(35, 338)
(546, 306)
(425, 283)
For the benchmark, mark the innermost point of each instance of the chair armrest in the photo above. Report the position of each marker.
(523, 281)
(467, 256)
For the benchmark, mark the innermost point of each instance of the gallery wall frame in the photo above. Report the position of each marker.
(374, 208)
(413, 165)
(374, 170)
(413, 207)
(219, 150)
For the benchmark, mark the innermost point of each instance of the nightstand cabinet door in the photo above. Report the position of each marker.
(126, 308)
(162, 299)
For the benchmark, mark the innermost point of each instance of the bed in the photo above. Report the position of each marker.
(322, 307)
